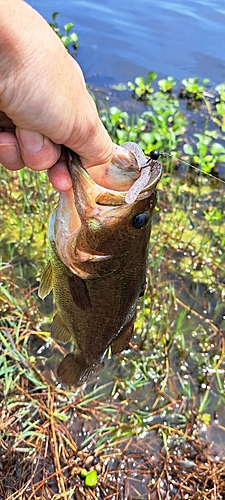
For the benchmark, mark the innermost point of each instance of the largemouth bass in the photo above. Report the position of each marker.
(98, 248)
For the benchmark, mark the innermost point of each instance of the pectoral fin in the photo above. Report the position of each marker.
(124, 337)
(59, 331)
(46, 282)
(79, 292)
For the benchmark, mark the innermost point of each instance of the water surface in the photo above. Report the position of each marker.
(120, 40)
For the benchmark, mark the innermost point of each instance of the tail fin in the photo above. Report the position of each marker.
(74, 370)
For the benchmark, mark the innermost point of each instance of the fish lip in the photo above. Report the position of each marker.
(101, 189)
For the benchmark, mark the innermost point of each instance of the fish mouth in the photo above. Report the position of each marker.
(102, 195)
(108, 196)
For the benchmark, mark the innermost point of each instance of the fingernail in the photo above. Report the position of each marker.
(9, 153)
(31, 141)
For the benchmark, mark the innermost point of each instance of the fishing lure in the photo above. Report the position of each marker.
(146, 171)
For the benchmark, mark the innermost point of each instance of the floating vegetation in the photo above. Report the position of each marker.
(186, 121)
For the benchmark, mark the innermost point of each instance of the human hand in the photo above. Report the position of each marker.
(43, 100)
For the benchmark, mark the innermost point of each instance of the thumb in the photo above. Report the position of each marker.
(88, 137)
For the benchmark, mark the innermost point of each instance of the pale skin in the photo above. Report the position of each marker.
(44, 103)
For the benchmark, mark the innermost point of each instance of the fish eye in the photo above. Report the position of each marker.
(140, 220)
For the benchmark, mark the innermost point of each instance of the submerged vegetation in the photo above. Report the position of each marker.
(153, 425)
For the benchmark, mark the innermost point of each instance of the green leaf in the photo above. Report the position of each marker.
(196, 159)
(122, 135)
(208, 158)
(189, 81)
(151, 76)
(221, 90)
(120, 86)
(147, 137)
(54, 15)
(83, 473)
(212, 133)
(74, 37)
(114, 110)
(188, 149)
(163, 85)
(220, 107)
(91, 479)
(203, 139)
(133, 136)
(68, 27)
(131, 85)
(217, 148)
(202, 149)
(140, 81)
(66, 40)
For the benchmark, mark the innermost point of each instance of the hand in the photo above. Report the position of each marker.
(43, 100)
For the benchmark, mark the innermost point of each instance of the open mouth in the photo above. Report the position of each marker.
(129, 175)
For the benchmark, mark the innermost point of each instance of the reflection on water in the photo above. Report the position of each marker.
(120, 40)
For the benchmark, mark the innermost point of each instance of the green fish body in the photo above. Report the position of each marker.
(98, 249)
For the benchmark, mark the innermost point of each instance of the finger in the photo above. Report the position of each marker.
(37, 151)
(98, 150)
(9, 152)
(59, 175)
(89, 140)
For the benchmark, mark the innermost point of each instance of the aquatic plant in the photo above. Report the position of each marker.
(68, 37)
(188, 124)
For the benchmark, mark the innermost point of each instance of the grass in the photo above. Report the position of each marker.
(153, 425)
(146, 427)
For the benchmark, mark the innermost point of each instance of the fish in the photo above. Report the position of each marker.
(98, 249)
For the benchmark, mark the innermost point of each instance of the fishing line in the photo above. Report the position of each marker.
(154, 155)
(146, 171)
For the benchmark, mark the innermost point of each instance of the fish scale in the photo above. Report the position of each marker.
(98, 250)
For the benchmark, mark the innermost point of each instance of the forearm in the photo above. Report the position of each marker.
(32, 55)
(21, 46)
(43, 92)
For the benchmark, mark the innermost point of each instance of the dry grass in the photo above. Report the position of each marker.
(153, 424)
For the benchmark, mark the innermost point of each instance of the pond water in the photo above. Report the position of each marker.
(121, 40)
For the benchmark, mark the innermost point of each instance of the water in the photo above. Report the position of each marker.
(121, 40)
